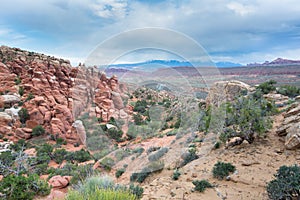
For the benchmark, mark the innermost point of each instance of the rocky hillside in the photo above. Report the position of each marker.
(53, 93)
(164, 146)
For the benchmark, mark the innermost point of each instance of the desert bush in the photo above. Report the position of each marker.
(95, 187)
(222, 170)
(189, 156)
(172, 132)
(107, 163)
(78, 173)
(267, 87)
(138, 150)
(21, 91)
(115, 134)
(59, 155)
(152, 149)
(23, 115)
(103, 194)
(79, 156)
(176, 174)
(44, 149)
(138, 119)
(20, 145)
(217, 145)
(146, 171)
(247, 116)
(29, 97)
(136, 190)
(119, 172)
(38, 130)
(121, 154)
(202, 185)
(21, 187)
(157, 155)
(286, 184)
(60, 141)
(289, 90)
(95, 143)
(17, 81)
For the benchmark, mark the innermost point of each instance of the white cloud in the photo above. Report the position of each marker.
(110, 8)
(240, 8)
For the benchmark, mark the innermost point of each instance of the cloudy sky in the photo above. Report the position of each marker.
(229, 30)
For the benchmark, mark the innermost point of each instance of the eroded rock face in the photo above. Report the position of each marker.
(224, 91)
(46, 82)
(108, 99)
(290, 127)
(55, 93)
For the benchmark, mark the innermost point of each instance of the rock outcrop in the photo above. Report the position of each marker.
(279, 99)
(108, 99)
(224, 91)
(290, 127)
(58, 182)
(53, 92)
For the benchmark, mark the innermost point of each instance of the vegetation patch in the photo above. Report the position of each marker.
(222, 170)
(286, 184)
(201, 186)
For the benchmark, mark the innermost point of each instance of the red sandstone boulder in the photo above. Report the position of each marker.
(59, 182)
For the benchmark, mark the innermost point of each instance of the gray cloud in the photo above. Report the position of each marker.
(233, 30)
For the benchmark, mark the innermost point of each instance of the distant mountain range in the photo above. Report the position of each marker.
(158, 64)
(277, 62)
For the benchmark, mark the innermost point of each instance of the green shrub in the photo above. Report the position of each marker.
(247, 116)
(17, 80)
(14, 187)
(289, 90)
(107, 163)
(119, 172)
(157, 155)
(217, 145)
(286, 184)
(79, 156)
(146, 171)
(20, 145)
(115, 134)
(202, 185)
(45, 149)
(152, 149)
(23, 115)
(21, 91)
(267, 87)
(222, 170)
(103, 194)
(189, 156)
(177, 123)
(60, 141)
(138, 119)
(136, 190)
(29, 97)
(78, 173)
(172, 132)
(38, 130)
(176, 174)
(59, 155)
(94, 188)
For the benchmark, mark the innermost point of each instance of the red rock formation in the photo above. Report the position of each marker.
(55, 93)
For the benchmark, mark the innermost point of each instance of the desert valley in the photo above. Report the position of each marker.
(76, 132)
